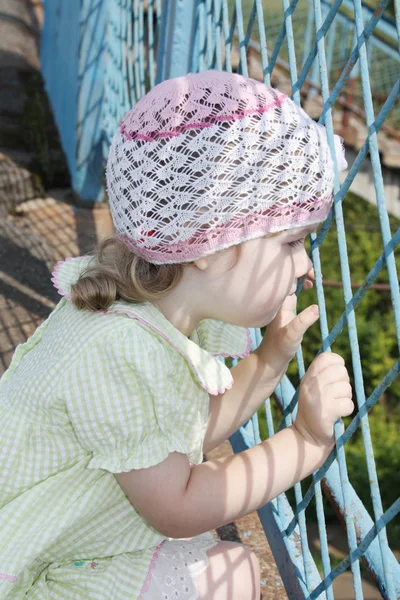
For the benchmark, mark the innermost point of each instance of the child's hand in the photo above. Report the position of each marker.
(325, 396)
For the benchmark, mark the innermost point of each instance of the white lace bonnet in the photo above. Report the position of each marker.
(212, 159)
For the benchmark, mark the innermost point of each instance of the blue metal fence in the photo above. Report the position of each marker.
(99, 57)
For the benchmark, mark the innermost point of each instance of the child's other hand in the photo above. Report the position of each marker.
(325, 396)
(309, 280)
(285, 333)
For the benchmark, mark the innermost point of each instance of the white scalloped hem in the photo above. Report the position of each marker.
(174, 568)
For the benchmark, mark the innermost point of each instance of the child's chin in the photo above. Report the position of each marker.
(266, 320)
(262, 322)
(256, 322)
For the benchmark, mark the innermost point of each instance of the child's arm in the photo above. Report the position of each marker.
(256, 377)
(182, 502)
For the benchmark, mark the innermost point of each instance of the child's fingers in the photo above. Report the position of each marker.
(322, 361)
(343, 407)
(334, 374)
(299, 325)
(339, 390)
(346, 406)
(308, 284)
(308, 280)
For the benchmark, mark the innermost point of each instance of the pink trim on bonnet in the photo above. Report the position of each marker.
(225, 237)
(202, 124)
(148, 577)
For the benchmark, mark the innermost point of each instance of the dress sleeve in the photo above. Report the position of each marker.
(121, 404)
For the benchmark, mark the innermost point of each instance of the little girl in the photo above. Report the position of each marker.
(214, 181)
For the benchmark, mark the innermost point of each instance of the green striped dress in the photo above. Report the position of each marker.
(89, 395)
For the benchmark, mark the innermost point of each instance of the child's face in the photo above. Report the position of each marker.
(266, 271)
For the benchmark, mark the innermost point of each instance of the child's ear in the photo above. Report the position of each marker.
(201, 263)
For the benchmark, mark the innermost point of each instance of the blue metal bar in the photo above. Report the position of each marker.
(141, 51)
(210, 34)
(309, 33)
(391, 267)
(130, 51)
(218, 16)
(250, 24)
(331, 41)
(308, 561)
(176, 45)
(201, 36)
(136, 49)
(344, 482)
(59, 43)
(320, 512)
(87, 178)
(242, 47)
(288, 10)
(263, 42)
(151, 42)
(111, 98)
(123, 43)
(280, 38)
(228, 33)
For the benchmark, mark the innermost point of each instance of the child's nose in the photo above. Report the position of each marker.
(304, 265)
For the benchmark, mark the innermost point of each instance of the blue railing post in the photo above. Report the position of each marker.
(88, 177)
(175, 47)
(73, 64)
(59, 46)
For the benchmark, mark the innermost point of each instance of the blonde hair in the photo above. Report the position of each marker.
(121, 274)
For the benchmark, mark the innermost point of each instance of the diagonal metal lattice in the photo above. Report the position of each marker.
(339, 59)
(337, 475)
